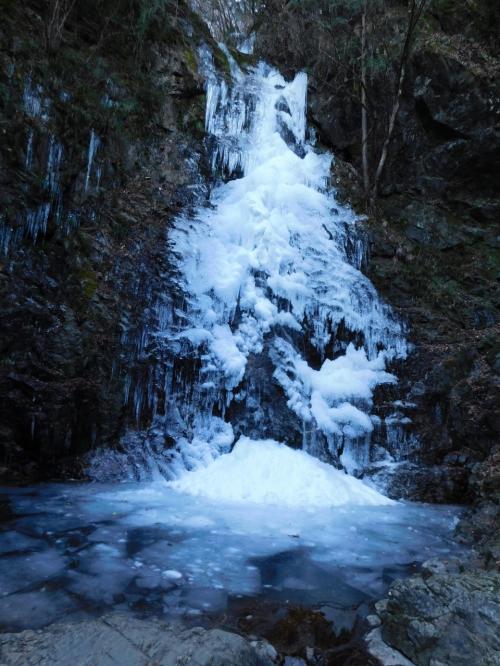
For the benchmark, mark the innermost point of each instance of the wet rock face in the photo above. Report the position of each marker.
(259, 408)
(429, 483)
(441, 274)
(303, 636)
(453, 106)
(110, 143)
(445, 617)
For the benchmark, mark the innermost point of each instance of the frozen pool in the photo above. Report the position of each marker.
(80, 549)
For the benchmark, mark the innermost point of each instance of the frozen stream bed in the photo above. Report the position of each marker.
(78, 550)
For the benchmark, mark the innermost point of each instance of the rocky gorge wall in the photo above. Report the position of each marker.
(433, 235)
(101, 145)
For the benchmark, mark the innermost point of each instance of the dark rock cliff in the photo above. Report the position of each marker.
(434, 245)
(101, 145)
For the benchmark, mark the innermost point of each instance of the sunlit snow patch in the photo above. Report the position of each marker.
(266, 472)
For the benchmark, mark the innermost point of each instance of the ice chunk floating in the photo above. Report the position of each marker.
(265, 472)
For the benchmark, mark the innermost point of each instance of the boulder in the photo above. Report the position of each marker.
(444, 616)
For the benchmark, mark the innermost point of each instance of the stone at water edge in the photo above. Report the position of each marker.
(125, 640)
(443, 618)
(382, 652)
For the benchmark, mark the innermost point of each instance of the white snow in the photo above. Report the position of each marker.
(266, 472)
(349, 376)
(224, 345)
(325, 394)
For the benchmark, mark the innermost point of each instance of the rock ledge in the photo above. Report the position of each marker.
(125, 640)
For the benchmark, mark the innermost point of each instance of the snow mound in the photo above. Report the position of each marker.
(266, 472)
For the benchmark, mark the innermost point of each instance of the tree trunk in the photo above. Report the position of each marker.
(364, 110)
(390, 132)
(58, 12)
(415, 9)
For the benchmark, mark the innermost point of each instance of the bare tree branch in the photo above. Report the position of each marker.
(364, 110)
(58, 12)
(415, 10)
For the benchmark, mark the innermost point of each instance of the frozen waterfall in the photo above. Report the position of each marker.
(268, 280)
(269, 260)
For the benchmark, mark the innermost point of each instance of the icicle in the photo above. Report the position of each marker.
(36, 221)
(31, 99)
(54, 159)
(94, 144)
(29, 150)
(9, 237)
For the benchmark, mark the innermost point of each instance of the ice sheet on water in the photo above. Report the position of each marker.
(227, 545)
(31, 610)
(269, 473)
(103, 572)
(169, 550)
(18, 572)
(14, 541)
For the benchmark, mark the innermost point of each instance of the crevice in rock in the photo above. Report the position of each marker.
(440, 132)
